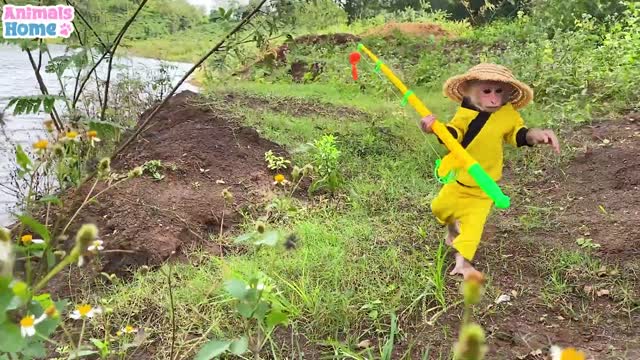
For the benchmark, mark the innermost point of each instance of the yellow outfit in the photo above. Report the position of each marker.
(482, 134)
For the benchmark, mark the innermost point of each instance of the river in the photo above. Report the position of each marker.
(17, 78)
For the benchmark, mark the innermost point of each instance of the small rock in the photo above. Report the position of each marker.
(364, 344)
(502, 299)
(560, 318)
(514, 293)
(603, 292)
(221, 182)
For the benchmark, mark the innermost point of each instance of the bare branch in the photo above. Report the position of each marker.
(110, 51)
(184, 78)
(43, 89)
(76, 11)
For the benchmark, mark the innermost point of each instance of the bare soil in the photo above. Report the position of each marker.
(389, 30)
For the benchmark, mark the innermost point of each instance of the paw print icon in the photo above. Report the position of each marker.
(65, 29)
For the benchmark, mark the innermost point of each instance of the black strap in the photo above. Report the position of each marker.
(476, 124)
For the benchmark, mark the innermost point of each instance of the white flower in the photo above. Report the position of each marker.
(28, 323)
(96, 246)
(28, 239)
(85, 311)
(127, 330)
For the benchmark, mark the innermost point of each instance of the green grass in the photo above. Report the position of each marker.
(357, 263)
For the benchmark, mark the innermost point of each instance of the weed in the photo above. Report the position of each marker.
(326, 158)
(154, 167)
(275, 162)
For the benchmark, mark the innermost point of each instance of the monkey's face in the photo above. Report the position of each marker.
(488, 96)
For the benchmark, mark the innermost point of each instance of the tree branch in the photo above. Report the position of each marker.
(110, 51)
(70, 3)
(43, 89)
(184, 78)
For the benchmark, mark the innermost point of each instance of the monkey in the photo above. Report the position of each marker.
(489, 97)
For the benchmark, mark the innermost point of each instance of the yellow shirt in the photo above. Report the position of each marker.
(482, 134)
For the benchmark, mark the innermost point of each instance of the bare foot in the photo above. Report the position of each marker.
(453, 230)
(464, 268)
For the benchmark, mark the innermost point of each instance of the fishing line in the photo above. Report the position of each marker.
(395, 93)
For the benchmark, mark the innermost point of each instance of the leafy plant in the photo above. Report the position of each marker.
(275, 162)
(587, 243)
(326, 158)
(154, 168)
(260, 306)
(260, 236)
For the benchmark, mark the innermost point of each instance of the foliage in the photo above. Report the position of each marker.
(158, 18)
(562, 15)
(326, 158)
(275, 162)
(42, 258)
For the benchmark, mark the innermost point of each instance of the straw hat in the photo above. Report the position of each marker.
(522, 94)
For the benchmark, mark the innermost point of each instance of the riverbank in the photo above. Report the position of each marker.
(19, 79)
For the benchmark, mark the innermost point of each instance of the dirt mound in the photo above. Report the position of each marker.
(276, 57)
(333, 39)
(410, 29)
(203, 152)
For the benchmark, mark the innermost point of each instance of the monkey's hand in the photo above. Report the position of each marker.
(539, 136)
(427, 122)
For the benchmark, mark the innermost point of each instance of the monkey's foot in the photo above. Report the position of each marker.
(464, 268)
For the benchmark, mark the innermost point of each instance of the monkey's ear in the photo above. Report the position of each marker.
(464, 88)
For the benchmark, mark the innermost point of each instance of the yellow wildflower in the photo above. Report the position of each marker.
(52, 312)
(566, 354)
(127, 330)
(280, 180)
(27, 326)
(85, 311)
(41, 145)
(71, 136)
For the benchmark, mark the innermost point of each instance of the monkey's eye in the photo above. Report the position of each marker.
(498, 91)
(487, 91)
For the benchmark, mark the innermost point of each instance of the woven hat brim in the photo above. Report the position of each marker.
(521, 97)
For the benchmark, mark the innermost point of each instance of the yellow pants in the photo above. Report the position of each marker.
(468, 205)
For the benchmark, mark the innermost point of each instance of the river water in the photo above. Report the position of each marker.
(17, 78)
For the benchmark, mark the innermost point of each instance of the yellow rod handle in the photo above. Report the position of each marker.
(438, 127)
